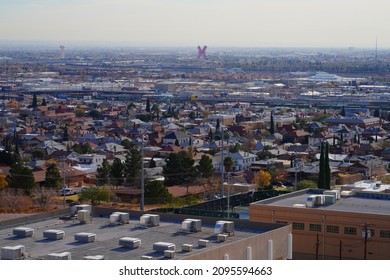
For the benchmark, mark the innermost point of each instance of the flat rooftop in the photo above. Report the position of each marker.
(108, 235)
(346, 204)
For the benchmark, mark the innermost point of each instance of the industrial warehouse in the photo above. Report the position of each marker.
(114, 234)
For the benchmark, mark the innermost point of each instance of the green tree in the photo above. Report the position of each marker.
(205, 167)
(179, 169)
(126, 143)
(116, 173)
(103, 173)
(152, 163)
(34, 101)
(228, 163)
(147, 109)
(79, 112)
(272, 124)
(342, 112)
(133, 165)
(324, 168)
(82, 148)
(156, 192)
(43, 102)
(38, 153)
(21, 177)
(65, 134)
(95, 195)
(53, 177)
(235, 148)
(377, 113)
(95, 114)
(307, 184)
(328, 174)
(156, 111)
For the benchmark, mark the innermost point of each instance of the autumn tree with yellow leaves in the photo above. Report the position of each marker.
(262, 179)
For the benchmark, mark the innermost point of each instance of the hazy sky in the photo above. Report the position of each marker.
(254, 23)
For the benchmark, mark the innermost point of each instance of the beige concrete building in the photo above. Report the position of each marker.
(332, 230)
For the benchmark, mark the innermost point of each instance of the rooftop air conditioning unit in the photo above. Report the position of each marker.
(94, 257)
(12, 252)
(151, 220)
(162, 246)
(60, 256)
(191, 225)
(54, 234)
(123, 217)
(23, 232)
(83, 216)
(224, 227)
(114, 218)
(311, 201)
(84, 207)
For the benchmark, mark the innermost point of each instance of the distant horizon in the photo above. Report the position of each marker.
(127, 44)
(182, 23)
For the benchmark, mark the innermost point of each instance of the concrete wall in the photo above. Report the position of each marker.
(258, 243)
(33, 218)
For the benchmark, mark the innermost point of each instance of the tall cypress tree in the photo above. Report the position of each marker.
(34, 101)
(272, 124)
(321, 174)
(147, 105)
(327, 167)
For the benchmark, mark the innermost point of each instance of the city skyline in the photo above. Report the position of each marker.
(246, 23)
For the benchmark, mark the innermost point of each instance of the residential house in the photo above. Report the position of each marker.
(242, 160)
(176, 138)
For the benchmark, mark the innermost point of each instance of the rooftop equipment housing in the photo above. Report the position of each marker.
(54, 234)
(130, 242)
(162, 246)
(12, 252)
(83, 216)
(60, 256)
(84, 207)
(192, 225)
(23, 232)
(224, 227)
(120, 217)
(151, 220)
(85, 237)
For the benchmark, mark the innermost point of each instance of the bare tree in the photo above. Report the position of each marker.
(43, 196)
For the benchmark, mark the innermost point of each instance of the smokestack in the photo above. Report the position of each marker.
(62, 52)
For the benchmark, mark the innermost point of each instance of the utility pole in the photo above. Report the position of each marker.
(222, 192)
(366, 233)
(340, 249)
(317, 246)
(142, 175)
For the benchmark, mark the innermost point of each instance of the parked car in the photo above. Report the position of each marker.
(66, 191)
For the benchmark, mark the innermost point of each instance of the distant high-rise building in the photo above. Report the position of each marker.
(62, 55)
(202, 53)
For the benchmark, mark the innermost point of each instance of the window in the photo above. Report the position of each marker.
(315, 227)
(281, 222)
(332, 229)
(299, 226)
(372, 231)
(384, 233)
(350, 230)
